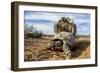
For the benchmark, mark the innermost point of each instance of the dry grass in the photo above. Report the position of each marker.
(35, 50)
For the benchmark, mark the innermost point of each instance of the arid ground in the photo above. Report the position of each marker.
(35, 49)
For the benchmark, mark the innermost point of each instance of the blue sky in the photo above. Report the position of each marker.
(44, 21)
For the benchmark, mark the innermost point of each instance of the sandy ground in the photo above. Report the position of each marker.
(35, 50)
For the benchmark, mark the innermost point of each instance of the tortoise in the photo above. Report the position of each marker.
(64, 39)
(65, 24)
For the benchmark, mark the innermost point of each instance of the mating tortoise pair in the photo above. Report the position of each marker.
(64, 40)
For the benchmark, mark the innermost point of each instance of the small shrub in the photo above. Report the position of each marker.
(31, 32)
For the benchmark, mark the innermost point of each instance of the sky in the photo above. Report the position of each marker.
(44, 21)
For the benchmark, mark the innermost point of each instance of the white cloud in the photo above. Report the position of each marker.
(45, 16)
(82, 20)
(44, 28)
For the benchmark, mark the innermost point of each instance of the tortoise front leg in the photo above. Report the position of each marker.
(67, 51)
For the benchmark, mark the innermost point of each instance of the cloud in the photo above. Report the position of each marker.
(38, 21)
(41, 16)
(45, 28)
(44, 21)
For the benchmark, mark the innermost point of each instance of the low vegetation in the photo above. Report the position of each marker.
(31, 32)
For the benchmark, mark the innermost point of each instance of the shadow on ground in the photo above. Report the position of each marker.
(81, 46)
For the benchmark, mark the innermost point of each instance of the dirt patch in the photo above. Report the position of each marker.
(82, 49)
(35, 50)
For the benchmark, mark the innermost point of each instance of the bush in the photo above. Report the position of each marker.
(29, 28)
(37, 34)
(31, 32)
